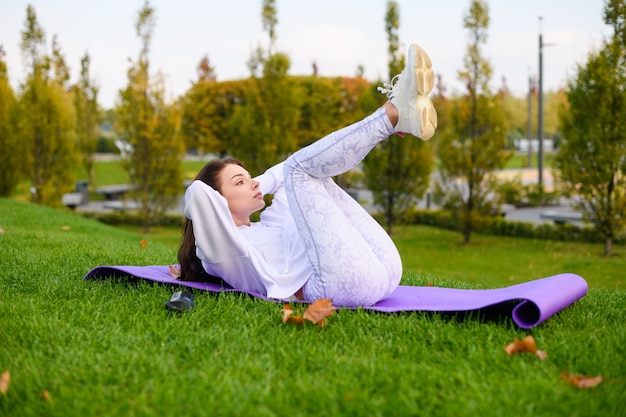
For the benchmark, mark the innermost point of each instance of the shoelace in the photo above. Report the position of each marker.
(387, 88)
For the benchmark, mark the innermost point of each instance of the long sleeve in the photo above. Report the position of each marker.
(272, 179)
(257, 258)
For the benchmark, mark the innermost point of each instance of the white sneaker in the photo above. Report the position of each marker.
(409, 91)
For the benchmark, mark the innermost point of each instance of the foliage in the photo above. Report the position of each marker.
(208, 107)
(149, 126)
(498, 226)
(473, 146)
(11, 157)
(46, 118)
(263, 127)
(533, 195)
(397, 171)
(88, 117)
(592, 161)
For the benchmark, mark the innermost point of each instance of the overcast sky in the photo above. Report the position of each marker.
(339, 35)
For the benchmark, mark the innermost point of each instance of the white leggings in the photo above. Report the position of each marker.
(355, 262)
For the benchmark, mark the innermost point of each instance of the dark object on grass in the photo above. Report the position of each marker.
(181, 301)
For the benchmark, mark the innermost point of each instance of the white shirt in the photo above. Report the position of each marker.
(268, 256)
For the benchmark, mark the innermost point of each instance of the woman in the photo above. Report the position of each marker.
(314, 241)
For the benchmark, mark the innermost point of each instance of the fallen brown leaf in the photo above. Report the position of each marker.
(175, 271)
(66, 227)
(527, 344)
(288, 315)
(580, 381)
(1, 230)
(5, 380)
(319, 310)
(45, 396)
(316, 312)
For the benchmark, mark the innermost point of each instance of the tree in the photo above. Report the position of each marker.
(263, 127)
(270, 21)
(591, 162)
(46, 118)
(11, 157)
(88, 117)
(397, 171)
(473, 146)
(150, 128)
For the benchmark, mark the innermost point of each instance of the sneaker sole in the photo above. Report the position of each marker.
(425, 80)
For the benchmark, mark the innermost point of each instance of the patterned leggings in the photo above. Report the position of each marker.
(355, 261)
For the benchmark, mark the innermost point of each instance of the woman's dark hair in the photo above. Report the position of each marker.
(190, 265)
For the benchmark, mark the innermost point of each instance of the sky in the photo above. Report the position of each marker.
(338, 35)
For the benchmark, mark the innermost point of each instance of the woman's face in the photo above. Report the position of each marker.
(242, 193)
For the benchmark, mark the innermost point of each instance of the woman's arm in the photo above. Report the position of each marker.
(272, 179)
(213, 226)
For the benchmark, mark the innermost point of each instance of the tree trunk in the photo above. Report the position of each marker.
(608, 246)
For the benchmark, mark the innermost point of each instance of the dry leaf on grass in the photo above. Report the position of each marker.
(1, 230)
(45, 396)
(5, 380)
(174, 271)
(580, 381)
(527, 344)
(319, 310)
(315, 313)
(288, 315)
(66, 227)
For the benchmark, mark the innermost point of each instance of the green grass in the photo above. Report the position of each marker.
(112, 172)
(520, 160)
(110, 348)
(488, 260)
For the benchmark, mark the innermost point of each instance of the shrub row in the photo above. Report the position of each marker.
(495, 225)
(499, 226)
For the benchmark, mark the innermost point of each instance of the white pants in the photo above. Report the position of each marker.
(355, 262)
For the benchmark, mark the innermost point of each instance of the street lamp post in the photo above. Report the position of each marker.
(540, 105)
(540, 108)
(529, 127)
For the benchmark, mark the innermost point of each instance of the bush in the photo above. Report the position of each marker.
(499, 226)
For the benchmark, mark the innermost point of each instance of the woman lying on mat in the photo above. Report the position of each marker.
(314, 241)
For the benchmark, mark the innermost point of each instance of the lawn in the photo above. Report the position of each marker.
(110, 348)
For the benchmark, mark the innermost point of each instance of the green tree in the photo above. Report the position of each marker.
(46, 118)
(270, 21)
(88, 117)
(208, 107)
(398, 170)
(264, 127)
(591, 162)
(11, 157)
(150, 127)
(473, 145)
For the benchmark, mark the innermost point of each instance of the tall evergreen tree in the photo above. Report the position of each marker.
(591, 162)
(398, 170)
(473, 145)
(150, 127)
(47, 118)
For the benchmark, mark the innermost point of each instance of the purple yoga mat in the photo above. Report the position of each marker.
(537, 300)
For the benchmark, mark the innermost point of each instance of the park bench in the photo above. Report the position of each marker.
(114, 192)
(77, 198)
(562, 217)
